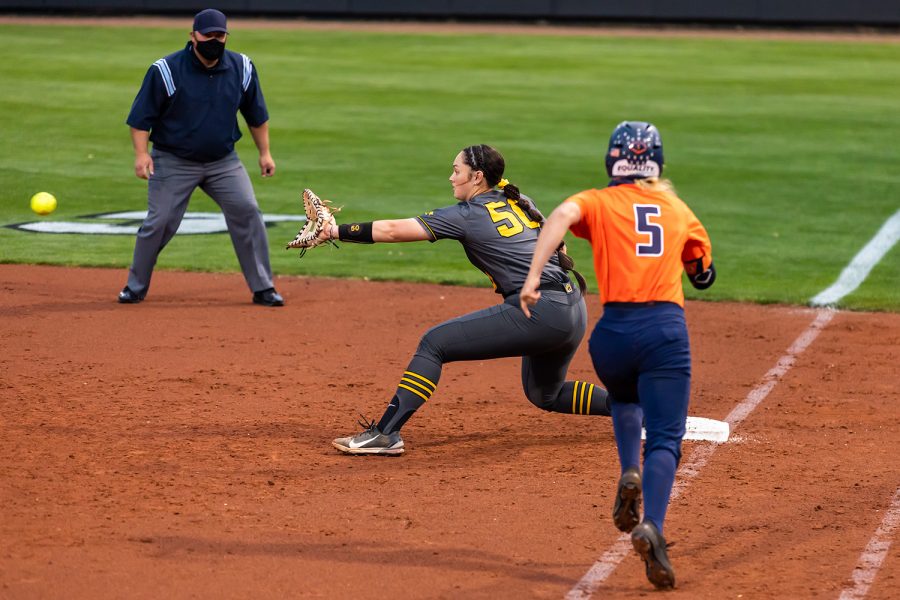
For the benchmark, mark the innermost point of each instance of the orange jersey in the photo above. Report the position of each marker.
(641, 239)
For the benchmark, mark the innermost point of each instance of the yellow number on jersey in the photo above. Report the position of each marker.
(513, 218)
(521, 213)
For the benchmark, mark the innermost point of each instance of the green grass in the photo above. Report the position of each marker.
(785, 150)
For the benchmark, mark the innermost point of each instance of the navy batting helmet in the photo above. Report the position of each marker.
(635, 151)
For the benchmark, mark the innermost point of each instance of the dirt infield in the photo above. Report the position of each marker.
(180, 448)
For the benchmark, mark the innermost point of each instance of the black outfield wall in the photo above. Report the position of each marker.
(761, 12)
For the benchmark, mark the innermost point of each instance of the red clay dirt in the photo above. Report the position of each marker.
(181, 448)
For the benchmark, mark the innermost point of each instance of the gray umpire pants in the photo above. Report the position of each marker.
(170, 187)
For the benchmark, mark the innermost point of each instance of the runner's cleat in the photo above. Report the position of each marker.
(371, 441)
(627, 509)
(650, 544)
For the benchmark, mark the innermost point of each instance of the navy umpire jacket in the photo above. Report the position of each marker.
(191, 111)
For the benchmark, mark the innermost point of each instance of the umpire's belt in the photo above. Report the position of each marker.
(555, 286)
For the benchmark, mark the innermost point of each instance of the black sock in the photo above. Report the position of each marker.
(412, 392)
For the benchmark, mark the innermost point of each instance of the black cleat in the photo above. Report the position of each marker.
(126, 296)
(268, 297)
(650, 544)
(627, 509)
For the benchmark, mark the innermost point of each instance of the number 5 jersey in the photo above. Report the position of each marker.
(643, 238)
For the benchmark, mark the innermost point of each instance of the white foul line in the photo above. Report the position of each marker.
(607, 563)
(858, 269)
(872, 557)
(742, 410)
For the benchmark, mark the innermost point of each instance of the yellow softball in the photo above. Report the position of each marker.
(43, 203)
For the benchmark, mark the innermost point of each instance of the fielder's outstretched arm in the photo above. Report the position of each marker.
(388, 230)
(552, 233)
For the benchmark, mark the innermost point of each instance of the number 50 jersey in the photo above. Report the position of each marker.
(498, 236)
(641, 240)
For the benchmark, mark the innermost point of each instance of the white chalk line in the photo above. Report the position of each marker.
(873, 556)
(784, 364)
(606, 564)
(851, 278)
(861, 265)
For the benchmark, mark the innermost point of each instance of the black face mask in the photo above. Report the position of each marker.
(211, 49)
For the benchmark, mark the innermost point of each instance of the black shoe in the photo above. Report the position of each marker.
(650, 544)
(627, 509)
(268, 297)
(126, 296)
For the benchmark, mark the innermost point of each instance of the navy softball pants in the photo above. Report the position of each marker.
(642, 354)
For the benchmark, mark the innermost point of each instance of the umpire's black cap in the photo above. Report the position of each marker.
(210, 20)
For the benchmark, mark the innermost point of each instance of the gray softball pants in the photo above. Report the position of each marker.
(547, 342)
(170, 187)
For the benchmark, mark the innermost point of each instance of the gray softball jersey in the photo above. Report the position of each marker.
(498, 237)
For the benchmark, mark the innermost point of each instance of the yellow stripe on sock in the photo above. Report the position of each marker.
(425, 379)
(425, 389)
(574, 395)
(590, 395)
(414, 391)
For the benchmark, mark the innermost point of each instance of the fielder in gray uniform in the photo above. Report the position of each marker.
(187, 106)
(498, 228)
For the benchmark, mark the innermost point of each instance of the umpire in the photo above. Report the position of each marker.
(187, 106)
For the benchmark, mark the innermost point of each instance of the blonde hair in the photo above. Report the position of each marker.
(655, 184)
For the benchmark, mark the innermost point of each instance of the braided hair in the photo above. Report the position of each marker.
(489, 161)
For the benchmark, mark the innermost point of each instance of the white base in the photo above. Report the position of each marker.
(701, 428)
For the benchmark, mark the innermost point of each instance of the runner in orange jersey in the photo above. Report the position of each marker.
(643, 237)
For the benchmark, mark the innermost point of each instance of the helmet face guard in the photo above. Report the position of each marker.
(635, 151)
